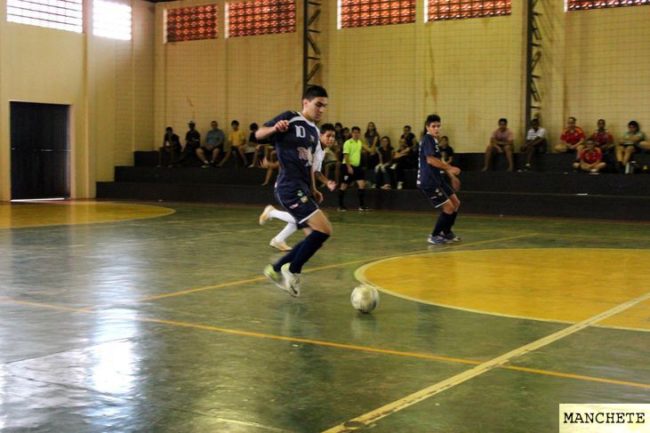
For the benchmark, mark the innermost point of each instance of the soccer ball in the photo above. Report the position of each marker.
(364, 298)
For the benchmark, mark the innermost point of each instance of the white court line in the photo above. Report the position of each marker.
(365, 420)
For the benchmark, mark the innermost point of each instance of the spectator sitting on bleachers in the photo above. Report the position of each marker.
(260, 149)
(501, 141)
(535, 142)
(192, 141)
(634, 140)
(213, 146)
(171, 144)
(235, 145)
(270, 164)
(401, 161)
(370, 156)
(590, 158)
(383, 173)
(605, 141)
(446, 151)
(572, 138)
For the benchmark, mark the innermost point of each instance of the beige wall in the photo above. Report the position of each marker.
(607, 59)
(471, 72)
(108, 85)
(250, 79)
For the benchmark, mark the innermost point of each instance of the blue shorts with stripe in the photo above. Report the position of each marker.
(438, 195)
(299, 204)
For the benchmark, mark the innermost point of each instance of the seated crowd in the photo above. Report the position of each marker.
(371, 158)
(593, 153)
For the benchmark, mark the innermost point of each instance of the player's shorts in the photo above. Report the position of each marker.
(299, 204)
(358, 173)
(438, 196)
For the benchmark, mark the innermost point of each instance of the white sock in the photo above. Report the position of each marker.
(287, 231)
(282, 215)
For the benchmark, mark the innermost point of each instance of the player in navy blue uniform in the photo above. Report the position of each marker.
(296, 136)
(433, 183)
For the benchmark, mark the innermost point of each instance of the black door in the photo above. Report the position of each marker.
(39, 151)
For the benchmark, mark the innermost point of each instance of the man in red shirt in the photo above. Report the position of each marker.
(572, 138)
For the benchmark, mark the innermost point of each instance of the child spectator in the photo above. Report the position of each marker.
(590, 158)
(446, 151)
(634, 140)
(237, 142)
(535, 142)
(171, 144)
(383, 174)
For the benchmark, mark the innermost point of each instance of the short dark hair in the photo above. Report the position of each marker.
(339, 124)
(234, 122)
(356, 128)
(407, 126)
(432, 118)
(312, 92)
(634, 123)
(504, 120)
(253, 126)
(169, 129)
(326, 127)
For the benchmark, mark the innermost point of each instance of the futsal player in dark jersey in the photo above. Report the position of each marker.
(296, 136)
(433, 183)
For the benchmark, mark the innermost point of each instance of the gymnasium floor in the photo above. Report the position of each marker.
(125, 317)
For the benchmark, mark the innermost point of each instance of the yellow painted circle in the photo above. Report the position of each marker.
(17, 215)
(557, 284)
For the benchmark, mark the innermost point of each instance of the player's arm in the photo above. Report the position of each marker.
(441, 165)
(266, 131)
(314, 190)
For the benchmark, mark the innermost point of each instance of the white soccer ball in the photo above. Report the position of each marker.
(364, 298)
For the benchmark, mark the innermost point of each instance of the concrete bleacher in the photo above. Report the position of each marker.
(552, 189)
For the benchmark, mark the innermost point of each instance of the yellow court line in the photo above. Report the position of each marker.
(366, 419)
(343, 346)
(314, 269)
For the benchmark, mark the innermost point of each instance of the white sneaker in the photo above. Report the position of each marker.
(282, 246)
(266, 215)
(291, 281)
(400, 185)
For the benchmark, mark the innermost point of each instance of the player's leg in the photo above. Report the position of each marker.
(342, 188)
(361, 188)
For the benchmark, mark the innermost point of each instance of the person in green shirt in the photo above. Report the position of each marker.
(352, 170)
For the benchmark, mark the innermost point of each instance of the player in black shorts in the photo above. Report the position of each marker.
(351, 169)
(433, 183)
(296, 136)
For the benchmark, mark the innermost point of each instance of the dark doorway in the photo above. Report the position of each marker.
(39, 151)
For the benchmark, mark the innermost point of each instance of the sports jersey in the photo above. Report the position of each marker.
(428, 176)
(352, 148)
(602, 138)
(573, 137)
(295, 149)
(591, 156)
(319, 156)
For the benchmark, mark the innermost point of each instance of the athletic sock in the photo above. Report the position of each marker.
(362, 197)
(442, 224)
(289, 257)
(282, 216)
(452, 222)
(287, 231)
(307, 248)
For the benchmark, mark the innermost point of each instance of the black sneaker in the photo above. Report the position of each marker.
(451, 237)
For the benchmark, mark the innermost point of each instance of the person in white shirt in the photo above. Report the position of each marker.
(535, 142)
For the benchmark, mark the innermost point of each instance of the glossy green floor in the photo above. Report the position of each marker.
(166, 325)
